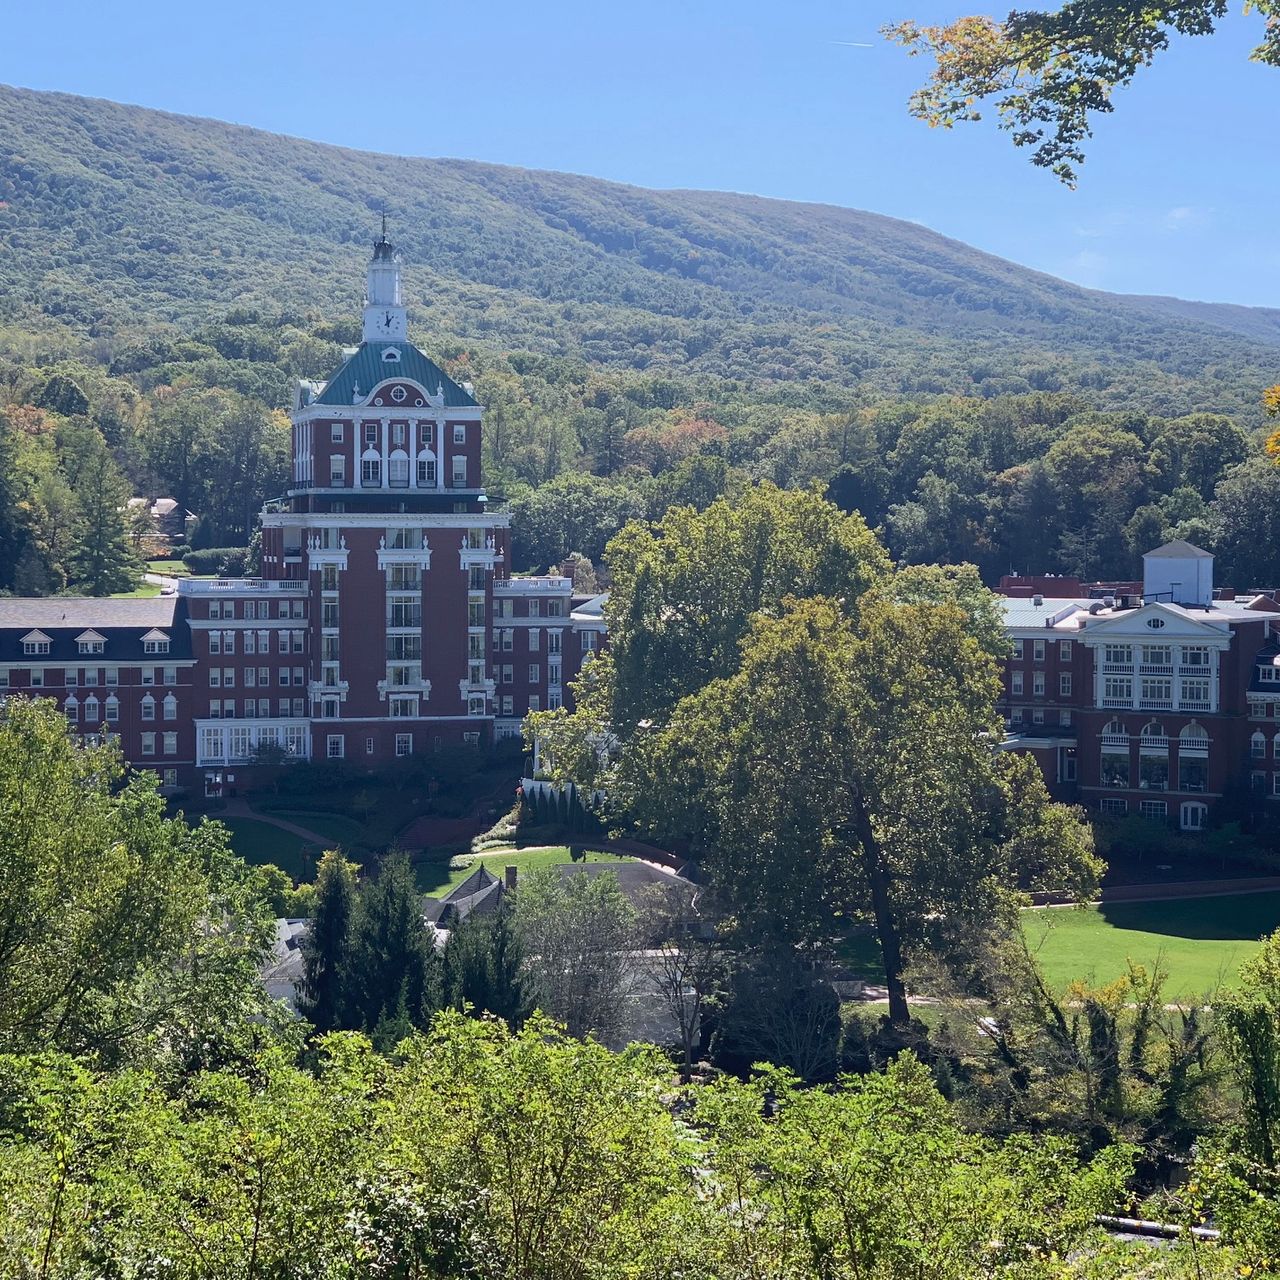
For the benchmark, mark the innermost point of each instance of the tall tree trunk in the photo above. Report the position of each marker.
(886, 927)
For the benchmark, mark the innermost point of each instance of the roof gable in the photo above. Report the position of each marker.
(1154, 622)
(367, 367)
(1179, 549)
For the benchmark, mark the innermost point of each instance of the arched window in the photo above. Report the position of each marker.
(113, 709)
(148, 708)
(426, 469)
(71, 708)
(1193, 735)
(1153, 733)
(370, 468)
(398, 468)
(170, 706)
(91, 710)
(1258, 747)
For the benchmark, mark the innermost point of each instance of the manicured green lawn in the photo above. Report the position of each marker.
(258, 842)
(144, 590)
(171, 568)
(1200, 941)
(435, 877)
(346, 832)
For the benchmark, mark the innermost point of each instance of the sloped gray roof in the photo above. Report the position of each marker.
(1178, 550)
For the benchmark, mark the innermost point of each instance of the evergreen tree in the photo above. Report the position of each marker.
(395, 965)
(327, 959)
(104, 560)
(484, 968)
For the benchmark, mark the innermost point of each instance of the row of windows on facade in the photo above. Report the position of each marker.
(1156, 693)
(89, 677)
(398, 471)
(1124, 655)
(92, 710)
(337, 430)
(225, 677)
(1193, 813)
(336, 744)
(504, 641)
(224, 642)
(257, 709)
(397, 537)
(251, 609)
(42, 648)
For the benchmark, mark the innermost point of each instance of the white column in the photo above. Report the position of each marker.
(386, 436)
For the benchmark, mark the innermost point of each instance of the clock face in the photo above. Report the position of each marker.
(388, 321)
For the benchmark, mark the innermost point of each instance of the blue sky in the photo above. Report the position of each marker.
(1181, 194)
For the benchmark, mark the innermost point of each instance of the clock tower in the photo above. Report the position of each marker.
(385, 319)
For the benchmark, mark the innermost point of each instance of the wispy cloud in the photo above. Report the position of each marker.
(852, 44)
(1184, 217)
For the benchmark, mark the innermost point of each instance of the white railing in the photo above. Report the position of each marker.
(1155, 704)
(560, 585)
(1187, 704)
(207, 586)
(1117, 668)
(1155, 669)
(1115, 740)
(1117, 702)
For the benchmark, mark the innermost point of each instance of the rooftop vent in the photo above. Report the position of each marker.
(1037, 600)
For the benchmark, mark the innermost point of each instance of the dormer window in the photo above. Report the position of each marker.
(35, 644)
(90, 642)
(155, 642)
(392, 356)
(1269, 674)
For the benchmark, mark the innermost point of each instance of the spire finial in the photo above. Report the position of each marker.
(384, 224)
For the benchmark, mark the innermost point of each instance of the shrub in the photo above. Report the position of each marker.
(225, 562)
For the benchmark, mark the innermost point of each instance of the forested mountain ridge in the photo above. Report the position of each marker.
(120, 220)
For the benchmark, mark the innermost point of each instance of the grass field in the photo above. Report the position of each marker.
(171, 568)
(436, 877)
(144, 590)
(258, 842)
(346, 832)
(1200, 941)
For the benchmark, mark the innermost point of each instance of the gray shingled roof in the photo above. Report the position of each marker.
(1178, 550)
(86, 611)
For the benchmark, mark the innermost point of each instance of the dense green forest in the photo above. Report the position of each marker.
(164, 280)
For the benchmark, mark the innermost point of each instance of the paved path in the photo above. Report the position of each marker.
(237, 808)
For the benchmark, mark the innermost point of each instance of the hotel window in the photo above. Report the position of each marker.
(535, 702)
(508, 706)
(368, 746)
(89, 676)
(1117, 691)
(215, 642)
(403, 708)
(215, 677)
(475, 706)
(37, 678)
(1037, 651)
(553, 701)
(250, 646)
(148, 744)
(476, 582)
(475, 646)
(1015, 678)
(508, 675)
(459, 434)
(458, 472)
(1037, 716)
(155, 646)
(553, 673)
(1113, 807)
(171, 744)
(36, 648)
(553, 641)
(299, 675)
(588, 641)
(397, 433)
(1114, 771)
(299, 707)
(284, 706)
(171, 675)
(1117, 655)
(111, 676)
(113, 709)
(91, 710)
(404, 648)
(1037, 684)
(88, 646)
(535, 673)
(475, 613)
(69, 677)
(426, 471)
(228, 642)
(1017, 649)
(148, 708)
(1065, 718)
(1258, 747)
(370, 471)
(335, 433)
(282, 641)
(1064, 684)
(1194, 656)
(535, 608)
(1064, 650)
(148, 675)
(171, 777)
(371, 433)
(534, 641)
(334, 746)
(250, 677)
(508, 641)
(228, 677)
(404, 744)
(215, 609)
(170, 707)
(555, 608)
(1157, 810)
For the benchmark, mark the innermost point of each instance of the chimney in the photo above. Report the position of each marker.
(1037, 600)
(509, 874)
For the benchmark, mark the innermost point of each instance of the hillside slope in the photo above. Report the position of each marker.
(116, 219)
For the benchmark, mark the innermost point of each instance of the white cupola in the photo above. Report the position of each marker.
(385, 319)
